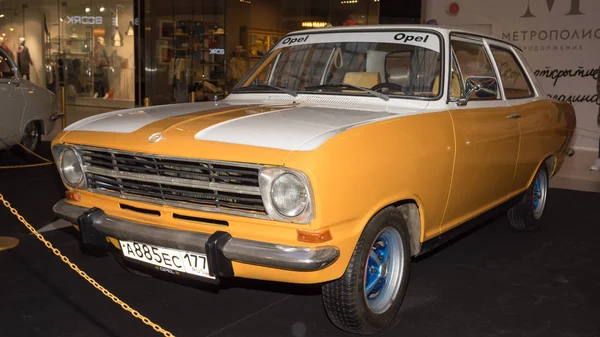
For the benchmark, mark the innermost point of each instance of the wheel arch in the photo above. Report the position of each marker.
(412, 212)
(550, 161)
(39, 122)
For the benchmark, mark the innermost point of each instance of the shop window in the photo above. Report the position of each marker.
(87, 48)
(514, 81)
(185, 47)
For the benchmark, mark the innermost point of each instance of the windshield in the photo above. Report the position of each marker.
(396, 64)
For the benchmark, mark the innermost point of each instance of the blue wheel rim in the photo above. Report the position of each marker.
(384, 270)
(537, 192)
(540, 191)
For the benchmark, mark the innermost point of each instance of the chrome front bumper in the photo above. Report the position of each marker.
(294, 258)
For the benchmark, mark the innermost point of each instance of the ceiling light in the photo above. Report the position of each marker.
(87, 9)
(130, 30)
(102, 8)
(314, 24)
(11, 29)
(344, 2)
(1, 16)
(117, 38)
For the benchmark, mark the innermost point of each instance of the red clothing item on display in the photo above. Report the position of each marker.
(7, 50)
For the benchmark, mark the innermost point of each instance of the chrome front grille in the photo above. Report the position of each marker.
(180, 182)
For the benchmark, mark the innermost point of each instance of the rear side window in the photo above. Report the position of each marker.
(515, 82)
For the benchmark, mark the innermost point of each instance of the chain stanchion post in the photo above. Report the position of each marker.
(147, 101)
(193, 96)
(63, 106)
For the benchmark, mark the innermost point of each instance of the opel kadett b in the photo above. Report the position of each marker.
(342, 154)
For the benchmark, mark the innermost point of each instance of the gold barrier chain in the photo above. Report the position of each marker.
(83, 274)
(45, 163)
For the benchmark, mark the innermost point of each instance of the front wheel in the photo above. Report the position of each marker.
(526, 214)
(31, 136)
(368, 296)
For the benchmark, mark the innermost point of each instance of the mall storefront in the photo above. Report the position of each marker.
(113, 54)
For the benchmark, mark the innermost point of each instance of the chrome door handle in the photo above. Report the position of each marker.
(514, 116)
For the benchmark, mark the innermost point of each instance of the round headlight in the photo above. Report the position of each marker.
(289, 195)
(70, 167)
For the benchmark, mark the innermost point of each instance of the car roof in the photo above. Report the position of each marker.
(444, 30)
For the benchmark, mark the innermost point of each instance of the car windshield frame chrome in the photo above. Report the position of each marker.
(442, 92)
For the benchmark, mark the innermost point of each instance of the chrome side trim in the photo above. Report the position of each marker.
(187, 159)
(294, 258)
(181, 204)
(173, 181)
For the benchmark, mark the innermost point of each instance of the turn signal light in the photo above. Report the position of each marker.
(72, 195)
(322, 235)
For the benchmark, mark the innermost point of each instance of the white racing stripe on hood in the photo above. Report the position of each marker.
(301, 129)
(131, 120)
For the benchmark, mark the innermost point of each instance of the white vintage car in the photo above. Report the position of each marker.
(28, 111)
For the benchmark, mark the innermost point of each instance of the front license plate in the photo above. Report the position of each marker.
(172, 259)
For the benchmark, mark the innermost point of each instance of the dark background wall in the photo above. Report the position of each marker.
(400, 11)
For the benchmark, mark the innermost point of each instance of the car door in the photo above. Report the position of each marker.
(487, 138)
(535, 114)
(12, 100)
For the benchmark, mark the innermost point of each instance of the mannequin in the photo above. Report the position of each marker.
(101, 85)
(24, 59)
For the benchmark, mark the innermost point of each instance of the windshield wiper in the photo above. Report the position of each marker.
(266, 86)
(343, 86)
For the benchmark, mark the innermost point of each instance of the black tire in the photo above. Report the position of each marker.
(526, 214)
(345, 299)
(31, 138)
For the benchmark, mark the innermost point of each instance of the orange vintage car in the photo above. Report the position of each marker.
(342, 154)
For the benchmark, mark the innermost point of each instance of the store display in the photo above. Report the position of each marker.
(102, 66)
(5, 47)
(258, 41)
(238, 66)
(24, 59)
(194, 55)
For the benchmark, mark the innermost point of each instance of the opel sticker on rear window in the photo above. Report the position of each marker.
(402, 37)
(291, 40)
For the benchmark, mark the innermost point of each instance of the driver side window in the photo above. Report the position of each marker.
(6, 67)
(472, 61)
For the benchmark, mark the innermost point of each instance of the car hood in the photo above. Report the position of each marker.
(290, 127)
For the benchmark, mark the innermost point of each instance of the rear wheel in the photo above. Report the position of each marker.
(368, 296)
(526, 214)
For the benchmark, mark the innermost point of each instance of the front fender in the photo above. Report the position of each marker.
(40, 105)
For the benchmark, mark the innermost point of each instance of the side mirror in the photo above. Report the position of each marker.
(481, 86)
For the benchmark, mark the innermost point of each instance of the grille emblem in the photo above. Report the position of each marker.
(156, 137)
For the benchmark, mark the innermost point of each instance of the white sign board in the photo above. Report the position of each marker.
(560, 40)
